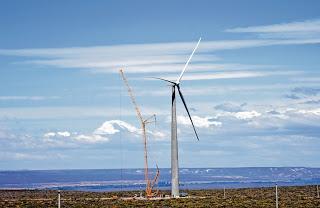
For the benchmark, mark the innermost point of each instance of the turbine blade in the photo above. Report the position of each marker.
(185, 105)
(173, 96)
(163, 80)
(185, 66)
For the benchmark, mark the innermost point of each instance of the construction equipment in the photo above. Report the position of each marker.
(149, 184)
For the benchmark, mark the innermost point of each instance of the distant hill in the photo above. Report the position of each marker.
(132, 179)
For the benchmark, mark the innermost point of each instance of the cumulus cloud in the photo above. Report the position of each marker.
(312, 112)
(50, 134)
(200, 122)
(240, 115)
(64, 133)
(103, 133)
(71, 137)
(90, 138)
(115, 126)
(245, 115)
(59, 134)
(93, 138)
(109, 127)
(298, 120)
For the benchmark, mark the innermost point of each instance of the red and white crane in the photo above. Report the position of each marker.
(143, 122)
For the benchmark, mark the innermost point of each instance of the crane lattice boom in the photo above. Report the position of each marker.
(149, 184)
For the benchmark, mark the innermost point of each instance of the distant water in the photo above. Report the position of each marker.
(132, 179)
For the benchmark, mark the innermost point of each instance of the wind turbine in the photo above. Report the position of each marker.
(174, 141)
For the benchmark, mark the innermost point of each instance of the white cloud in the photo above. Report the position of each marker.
(108, 127)
(304, 26)
(200, 122)
(57, 134)
(232, 75)
(245, 115)
(142, 58)
(114, 126)
(64, 133)
(221, 75)
(100, 134)
(308, 29)
(313, 112)
(49, 134)
(62, 137)
(94, 138)
(281, 117)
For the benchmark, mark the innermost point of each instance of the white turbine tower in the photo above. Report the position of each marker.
(174, 142)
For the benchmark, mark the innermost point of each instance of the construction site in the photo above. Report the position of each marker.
(150, 193)
(160, 104)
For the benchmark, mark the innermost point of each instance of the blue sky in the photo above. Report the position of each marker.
(253, 84)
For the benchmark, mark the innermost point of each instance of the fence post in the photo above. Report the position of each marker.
(59, 199)
(277, 203)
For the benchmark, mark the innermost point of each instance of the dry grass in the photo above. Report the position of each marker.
(303, 196)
